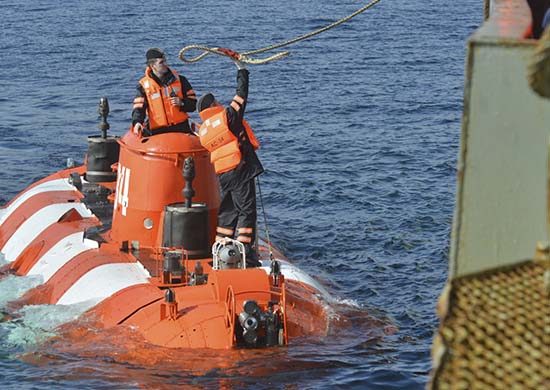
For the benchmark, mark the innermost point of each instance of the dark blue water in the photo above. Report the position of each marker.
(360, 132)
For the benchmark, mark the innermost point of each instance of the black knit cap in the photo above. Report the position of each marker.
(205, 101)
(154, 52)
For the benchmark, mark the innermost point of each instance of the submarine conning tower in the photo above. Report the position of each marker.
(150, 178)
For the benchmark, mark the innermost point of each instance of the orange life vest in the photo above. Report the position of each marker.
(161, 112)
(217, 138)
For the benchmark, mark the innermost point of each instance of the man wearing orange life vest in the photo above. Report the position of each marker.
(165, 96)
(231, 143)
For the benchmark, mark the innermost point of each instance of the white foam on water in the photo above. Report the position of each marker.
(32, 324)
(13, 287)
(348, 302)
(333, 313)
(291, 271)
(35, 324)
(3, 260)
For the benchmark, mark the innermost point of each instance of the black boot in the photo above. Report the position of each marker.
(252, 258)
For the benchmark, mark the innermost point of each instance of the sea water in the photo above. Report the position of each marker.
(359, 129)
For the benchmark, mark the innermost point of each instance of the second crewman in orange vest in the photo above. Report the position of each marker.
(164, 97)
(232, 144)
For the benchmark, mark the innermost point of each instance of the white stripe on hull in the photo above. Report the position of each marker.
(61, 253)
(291, 272)
(36, 224)
(53, 185)
(104, 281)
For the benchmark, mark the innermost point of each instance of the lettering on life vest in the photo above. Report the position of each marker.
(217, 142)
(122, 184)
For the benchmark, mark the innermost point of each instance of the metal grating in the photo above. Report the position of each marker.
(495, 330)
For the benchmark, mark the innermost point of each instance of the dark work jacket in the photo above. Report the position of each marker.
(250, 165)
(538, 9)
(189, 104)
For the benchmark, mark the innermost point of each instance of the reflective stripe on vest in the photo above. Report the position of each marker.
(161, 112)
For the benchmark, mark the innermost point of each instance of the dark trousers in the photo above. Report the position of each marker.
(237, 213)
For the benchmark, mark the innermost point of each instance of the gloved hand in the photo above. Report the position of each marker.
(239, 64)
(138, 128)
(233, 55)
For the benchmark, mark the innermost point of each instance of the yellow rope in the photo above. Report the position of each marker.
(216, 50)
(244, 57)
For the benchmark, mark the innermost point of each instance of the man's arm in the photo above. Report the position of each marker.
(237, 107)
(140, 106)
(189, 96)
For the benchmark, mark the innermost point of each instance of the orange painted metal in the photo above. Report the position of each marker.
(205, 314)
(46, 240)
(121, 305)
(305, 311)
(31, 206)
(71, 272)
(169, 310)
(149, 178)
(58, 175)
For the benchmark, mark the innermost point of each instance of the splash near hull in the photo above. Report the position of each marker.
(106, 245)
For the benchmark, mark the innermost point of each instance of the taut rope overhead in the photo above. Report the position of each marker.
(245, 56)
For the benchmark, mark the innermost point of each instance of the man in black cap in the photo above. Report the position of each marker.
(164, 96)
(231, 143)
